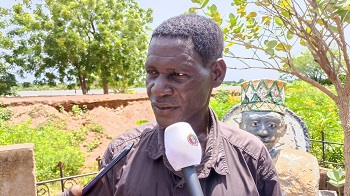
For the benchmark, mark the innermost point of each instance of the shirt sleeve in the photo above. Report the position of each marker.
(268, 182)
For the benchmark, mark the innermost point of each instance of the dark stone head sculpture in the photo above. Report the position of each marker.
(263, 113)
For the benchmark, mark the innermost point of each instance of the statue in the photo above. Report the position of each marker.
(263, 113)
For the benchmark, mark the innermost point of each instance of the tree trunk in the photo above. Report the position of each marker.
(344, 111)
(83, 84)
(105, 85)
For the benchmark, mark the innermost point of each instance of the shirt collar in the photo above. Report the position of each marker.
(156, 147)
(214, 154)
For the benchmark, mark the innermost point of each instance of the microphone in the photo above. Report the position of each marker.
(183, 151)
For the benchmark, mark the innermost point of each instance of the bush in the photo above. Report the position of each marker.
(5, 113)
(51, 145)
(77, 111)
(222, 102)
(320, 114)
(95, 128)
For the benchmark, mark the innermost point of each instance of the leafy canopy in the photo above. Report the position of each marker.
(81, 41)
(273, 31)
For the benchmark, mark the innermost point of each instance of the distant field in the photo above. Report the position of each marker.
(95, 92)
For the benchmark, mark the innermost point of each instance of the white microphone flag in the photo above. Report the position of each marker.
(182, 147)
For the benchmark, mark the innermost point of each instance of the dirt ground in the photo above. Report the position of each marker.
(115, 113)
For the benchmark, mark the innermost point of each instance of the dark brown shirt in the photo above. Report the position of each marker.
(235, 163)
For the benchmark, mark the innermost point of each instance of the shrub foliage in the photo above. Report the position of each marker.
(320, 114)
(222, 102)
(51, 145)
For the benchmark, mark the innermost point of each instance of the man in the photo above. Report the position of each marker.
(184, 63)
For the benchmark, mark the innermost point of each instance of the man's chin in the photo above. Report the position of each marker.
(165, 122)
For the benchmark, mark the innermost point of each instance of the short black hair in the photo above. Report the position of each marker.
(206, 35)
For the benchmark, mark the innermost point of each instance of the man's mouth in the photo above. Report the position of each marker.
(163, 109)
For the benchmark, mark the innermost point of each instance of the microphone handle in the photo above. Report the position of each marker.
(192, 182)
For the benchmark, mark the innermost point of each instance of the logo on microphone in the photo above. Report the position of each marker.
(192, 139)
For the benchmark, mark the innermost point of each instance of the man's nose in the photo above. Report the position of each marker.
(161, 86)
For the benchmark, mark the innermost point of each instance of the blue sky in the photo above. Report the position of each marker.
(164, 9)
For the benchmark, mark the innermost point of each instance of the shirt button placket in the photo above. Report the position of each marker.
(179, 190)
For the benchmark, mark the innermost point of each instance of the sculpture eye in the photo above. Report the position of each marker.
(254, 124)
(272, 125)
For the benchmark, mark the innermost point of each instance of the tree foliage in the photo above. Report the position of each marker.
(307, 66)
(7, 80)
(78, 41)
(272, 29)
(275, 28)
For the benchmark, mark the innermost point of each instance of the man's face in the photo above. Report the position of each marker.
(178, 84)
(269, 127)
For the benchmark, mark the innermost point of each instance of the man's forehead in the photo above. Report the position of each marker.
(170, 45)
(171, 40)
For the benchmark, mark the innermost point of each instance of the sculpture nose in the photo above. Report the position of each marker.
(263, 132)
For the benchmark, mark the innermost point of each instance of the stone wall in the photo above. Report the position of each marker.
(17, 170)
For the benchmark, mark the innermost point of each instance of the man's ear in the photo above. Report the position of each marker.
(218, 70)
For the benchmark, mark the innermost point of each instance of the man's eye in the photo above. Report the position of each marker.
(179, 76)
(152, 72)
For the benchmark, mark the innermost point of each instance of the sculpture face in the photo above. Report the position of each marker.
(269, 127)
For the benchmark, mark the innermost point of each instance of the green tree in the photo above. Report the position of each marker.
(305, 63)
(271, 30)
(26, 84)
(308, 67)
(7, 80)
(78, 41)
